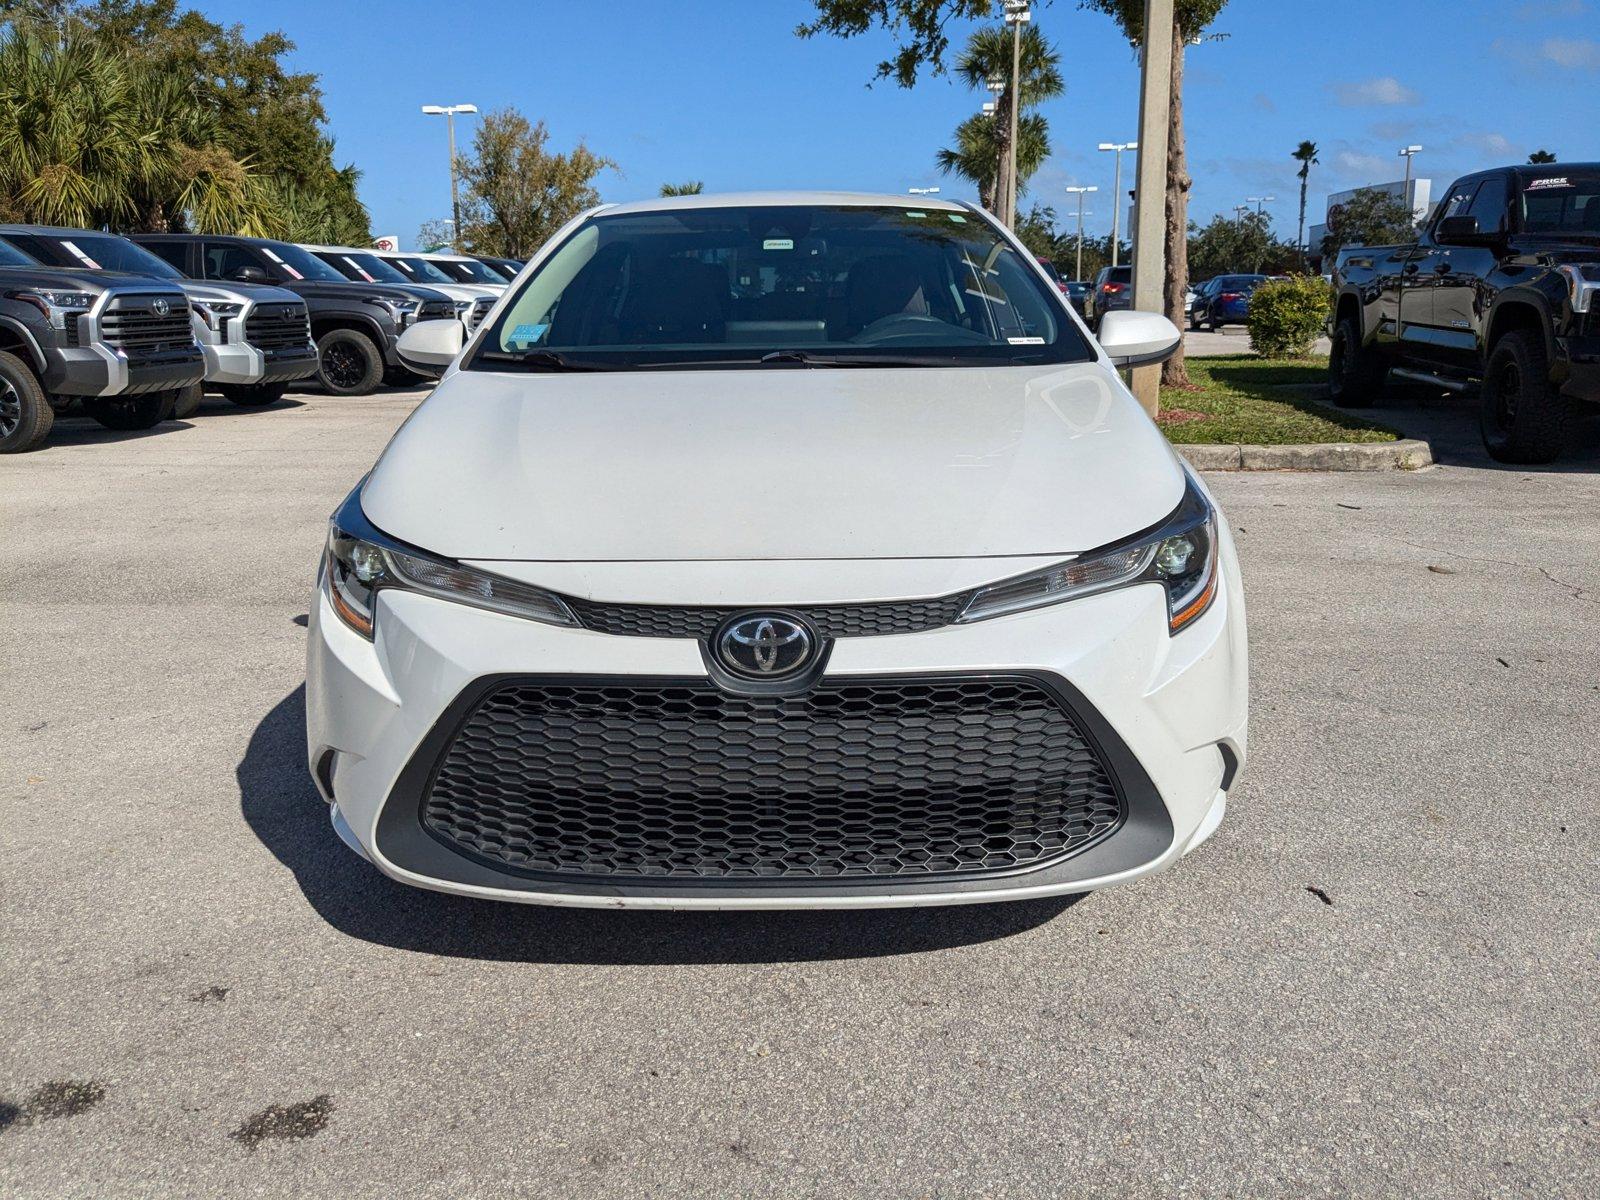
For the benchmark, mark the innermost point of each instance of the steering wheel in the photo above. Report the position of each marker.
(903, 324)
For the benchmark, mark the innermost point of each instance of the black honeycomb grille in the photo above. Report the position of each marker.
(679, 780)
(831, 620)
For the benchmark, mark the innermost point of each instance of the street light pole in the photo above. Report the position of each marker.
(1116, 192)
(449, 111)
(1080, 191)
(1258, 201)
(1017, 15)
(1406, 152)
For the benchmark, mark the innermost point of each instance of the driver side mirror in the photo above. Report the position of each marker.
(1138, 339)
(249, 274)
(1461, 230)
(429, 347)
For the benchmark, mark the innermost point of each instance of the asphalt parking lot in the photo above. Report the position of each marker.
(1379, 978)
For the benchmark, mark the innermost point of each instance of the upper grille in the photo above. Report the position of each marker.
(278, 327)
(432, 310)
(856, 778)
(131, 323)
(831, 620)
(480, 310)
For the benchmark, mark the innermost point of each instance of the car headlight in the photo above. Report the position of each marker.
(215, 312)
(1180, 554)
(401, 312)
(1583, 285)
(56, 306)
(360, 561)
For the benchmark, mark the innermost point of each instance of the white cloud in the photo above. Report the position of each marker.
(1384, 90)
(1578, 54)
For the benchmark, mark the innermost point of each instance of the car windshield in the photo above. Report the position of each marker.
(99, 252)
(419, 270)
(10, 256)
(508, 270)
(299, 263)
(367, 268)
(467, 270)
(796, 285)
(1566, 203)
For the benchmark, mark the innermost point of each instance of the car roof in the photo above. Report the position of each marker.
(783, 200)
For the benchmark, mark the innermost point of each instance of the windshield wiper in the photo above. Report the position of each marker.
(543, 360)
(805, 358)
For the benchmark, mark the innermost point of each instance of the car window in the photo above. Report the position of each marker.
(418, 270)
(98, 252)
(222, 261)
(467, 270)
(176, 254)
(10, 256)
(1564, 203)
(1458, 201)
(1490, 205)
(731, 285)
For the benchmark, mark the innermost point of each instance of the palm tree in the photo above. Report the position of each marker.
(693, 188)
(1305, 154)
(1541, 156)
(988, 56)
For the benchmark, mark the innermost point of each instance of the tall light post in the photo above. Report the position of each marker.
(1258, 201)
(448, 112)
(1017, 14)
(1407, 152)
(1080, 192)
(1116, 191)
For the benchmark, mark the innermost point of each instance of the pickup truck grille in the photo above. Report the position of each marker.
(433, 310)
(136, 325)
(278, 327)
(480, 310)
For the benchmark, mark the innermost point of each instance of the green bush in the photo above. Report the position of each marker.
(1287, 315)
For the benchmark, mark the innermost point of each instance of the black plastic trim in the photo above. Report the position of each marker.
(1144, 834)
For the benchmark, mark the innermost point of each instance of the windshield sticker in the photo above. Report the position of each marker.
(293, 274)
(957, 218)
(72, 247)
(356, 267)
(525, 335)
(911, 212)
(1026, 341)
(777, 244)
(1553, 181)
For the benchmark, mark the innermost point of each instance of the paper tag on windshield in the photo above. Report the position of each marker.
(526, 335)
(77, 253)
(295, 274)
(1026, 341)
(778, 244)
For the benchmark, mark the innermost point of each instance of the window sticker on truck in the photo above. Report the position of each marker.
(73, 249)
(293, 274)
(1554, 181)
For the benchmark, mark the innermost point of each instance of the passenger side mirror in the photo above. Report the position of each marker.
(1461, 230)
(429, 347)
(1137, 339)
(249, 274)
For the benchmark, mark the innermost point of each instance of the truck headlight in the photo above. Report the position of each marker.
(1180, 554)
(215, 312)
(360, 561)
(56, 306)
(401, 312)
(1583, 285)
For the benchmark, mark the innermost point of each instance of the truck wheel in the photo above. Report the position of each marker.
(1355, 372)
(254, 395)
(1522, 414)
(188, 402)
(348, 364)
(134, 412)
(25, 413)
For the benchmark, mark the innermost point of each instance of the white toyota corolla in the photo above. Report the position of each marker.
(788, 550)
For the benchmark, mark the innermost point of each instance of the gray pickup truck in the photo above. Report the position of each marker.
(1501, 291)
(120, 344)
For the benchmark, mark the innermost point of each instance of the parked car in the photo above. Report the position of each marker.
(355, 325)
(1112, 290)
(256, 339)
(1502, 290)
(422, 270)
(508, 267)
(610, 624)
(120, 344)
(1077, 292)
(470, 305)
(1224, 300)
(463, 268)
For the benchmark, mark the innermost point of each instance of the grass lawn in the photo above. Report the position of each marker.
(1260, 401)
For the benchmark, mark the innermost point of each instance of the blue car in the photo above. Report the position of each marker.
(1223, 300)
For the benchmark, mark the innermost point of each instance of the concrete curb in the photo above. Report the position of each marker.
(1408, 454)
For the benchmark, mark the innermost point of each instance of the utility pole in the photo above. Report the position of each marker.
(1258, 201)
(1116, 191)
(1018, 14)
(1080, 191)
(1407, 152)
(1149, 241)
(449, 111)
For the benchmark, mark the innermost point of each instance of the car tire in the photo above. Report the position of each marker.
(348, 364)
(188, 402)
(129, 413)
(25, 412)
(254, 395)
(1521, 414)
(1355, 372)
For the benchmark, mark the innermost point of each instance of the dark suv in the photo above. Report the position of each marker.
(1113, 289)
(355, 325)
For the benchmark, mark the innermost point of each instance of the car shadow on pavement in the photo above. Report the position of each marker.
(282, 808)
(1448, 422)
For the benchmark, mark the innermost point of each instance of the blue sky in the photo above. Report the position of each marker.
(724, 92)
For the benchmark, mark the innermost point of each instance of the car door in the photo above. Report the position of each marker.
(224, 260)
(1461, 294)
(1424, 330)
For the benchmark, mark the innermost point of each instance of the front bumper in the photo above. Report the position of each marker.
(1173, 708)
(244, 364)
(101, 370)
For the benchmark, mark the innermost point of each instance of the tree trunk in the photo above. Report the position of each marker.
(1174, 373)
(1300, 235)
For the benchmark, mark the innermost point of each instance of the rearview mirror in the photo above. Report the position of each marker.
(429, 347)
(1136, 339)
(249, 275)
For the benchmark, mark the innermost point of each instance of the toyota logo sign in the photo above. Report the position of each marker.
(765, 646)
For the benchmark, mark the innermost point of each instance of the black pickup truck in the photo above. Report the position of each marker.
(1501, 290)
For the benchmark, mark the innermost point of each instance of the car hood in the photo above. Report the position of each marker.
(259, 293)
(84, 280)
(327, 289)
(773, 464)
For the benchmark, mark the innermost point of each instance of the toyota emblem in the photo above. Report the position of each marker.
(161, 308)
(765, 646)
